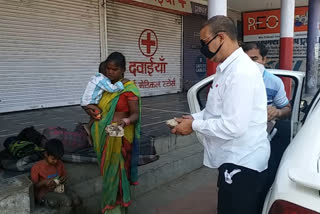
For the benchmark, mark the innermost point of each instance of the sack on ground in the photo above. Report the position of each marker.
(72, 140)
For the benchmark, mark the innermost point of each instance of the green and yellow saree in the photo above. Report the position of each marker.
(117, 157)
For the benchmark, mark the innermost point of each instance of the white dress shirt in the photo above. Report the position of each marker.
(234, 121)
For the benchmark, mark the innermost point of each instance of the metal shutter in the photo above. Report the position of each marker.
(125, 23)
(193, 70)
(48, 50)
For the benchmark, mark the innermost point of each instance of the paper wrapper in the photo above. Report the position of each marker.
(172, 123)
(60, 187)
(114, 130)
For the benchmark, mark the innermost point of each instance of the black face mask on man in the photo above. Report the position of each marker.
(205, 48)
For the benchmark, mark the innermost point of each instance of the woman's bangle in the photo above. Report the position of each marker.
(126, 121)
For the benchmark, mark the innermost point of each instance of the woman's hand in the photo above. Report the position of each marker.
(94, 113)
(121, 123)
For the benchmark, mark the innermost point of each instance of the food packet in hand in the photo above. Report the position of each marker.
(114, 130)
(172, 123)
(60, 187)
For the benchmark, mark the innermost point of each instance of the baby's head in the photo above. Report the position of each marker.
(103, 68)
(54, 151)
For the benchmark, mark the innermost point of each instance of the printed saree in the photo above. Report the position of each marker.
(117, 157)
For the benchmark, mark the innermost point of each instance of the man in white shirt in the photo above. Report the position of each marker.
(233, 122)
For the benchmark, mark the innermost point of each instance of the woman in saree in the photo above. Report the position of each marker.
(117, 156)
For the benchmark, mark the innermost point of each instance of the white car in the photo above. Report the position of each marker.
(296, 187)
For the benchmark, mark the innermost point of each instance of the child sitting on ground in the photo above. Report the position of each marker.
(98, 84)
(49, 176)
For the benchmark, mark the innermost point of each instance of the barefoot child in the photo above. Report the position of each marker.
(49, 176)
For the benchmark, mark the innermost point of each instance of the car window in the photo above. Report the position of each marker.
(312, 106)
(203, 92)
(202, 95)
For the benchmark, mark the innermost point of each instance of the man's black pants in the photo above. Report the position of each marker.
(241, 190)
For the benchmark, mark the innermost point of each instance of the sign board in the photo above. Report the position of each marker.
(199, 9)
(174, 6)
(148, 46)
(264, 27)
(201, 64)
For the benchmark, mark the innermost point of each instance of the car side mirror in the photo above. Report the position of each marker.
(303, 106)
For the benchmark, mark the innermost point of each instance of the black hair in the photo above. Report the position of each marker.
(247, 46)
(118, 59)
(55, 148)
(224, 24)
(102, 67)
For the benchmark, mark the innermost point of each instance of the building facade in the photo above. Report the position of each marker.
(50, 48)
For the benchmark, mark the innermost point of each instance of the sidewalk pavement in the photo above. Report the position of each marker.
(194, 193)
(155, 111)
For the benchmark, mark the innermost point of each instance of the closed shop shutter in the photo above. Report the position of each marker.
(194, 63)
(151, 42)
(48, 51)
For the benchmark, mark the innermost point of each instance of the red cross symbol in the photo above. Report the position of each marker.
(148, 43)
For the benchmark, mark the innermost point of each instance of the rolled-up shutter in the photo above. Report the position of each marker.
(48, 50)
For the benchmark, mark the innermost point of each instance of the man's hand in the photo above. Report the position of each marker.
(187, 117)
(184, 127)
(273, 113)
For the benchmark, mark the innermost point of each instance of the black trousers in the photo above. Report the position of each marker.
(240, 192)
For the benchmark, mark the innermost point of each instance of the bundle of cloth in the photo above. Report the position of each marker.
(25, 149)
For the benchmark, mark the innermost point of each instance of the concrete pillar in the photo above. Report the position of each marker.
(286, 39)
(215, 7)
(313, 46)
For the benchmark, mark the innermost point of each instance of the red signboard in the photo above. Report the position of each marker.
(268, 22)
(148, 46)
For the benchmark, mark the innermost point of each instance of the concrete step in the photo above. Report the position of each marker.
(178, 156)
(84, 179)
(170, 142)
(16, 195)
(44, 210)
(169, 167)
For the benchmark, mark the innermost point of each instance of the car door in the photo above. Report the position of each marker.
(311, 107)
(296, 187)
(197, 95)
